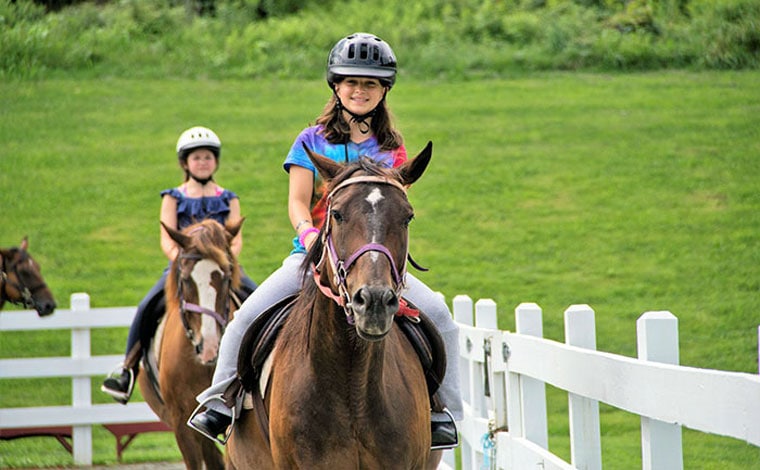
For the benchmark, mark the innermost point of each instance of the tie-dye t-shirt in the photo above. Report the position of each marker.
(349, 152)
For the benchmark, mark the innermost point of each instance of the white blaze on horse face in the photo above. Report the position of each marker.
(374, 198)
(207, 299)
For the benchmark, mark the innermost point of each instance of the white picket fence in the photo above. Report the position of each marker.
(503, 378)
(81, 366)
(504, 375)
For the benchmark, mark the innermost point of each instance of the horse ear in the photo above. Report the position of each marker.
(177, 236)
(411, 171)
(234, 228)
(24, 244)
(326, 167)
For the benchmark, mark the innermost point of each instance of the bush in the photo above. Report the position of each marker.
(432, 38)
(730, 33)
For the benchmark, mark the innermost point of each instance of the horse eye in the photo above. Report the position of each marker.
(408, 220)
(337, 216)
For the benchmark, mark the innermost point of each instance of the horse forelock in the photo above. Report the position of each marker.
(209, 241)
(362, 166)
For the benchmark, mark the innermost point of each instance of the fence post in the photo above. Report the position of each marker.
(585, 434)
(80, 386)
(661, 443)
(527, 403)
(462, 306)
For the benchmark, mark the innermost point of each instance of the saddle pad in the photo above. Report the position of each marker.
(259, 340)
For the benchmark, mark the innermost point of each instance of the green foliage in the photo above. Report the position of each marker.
(447, 38)
(731, 32)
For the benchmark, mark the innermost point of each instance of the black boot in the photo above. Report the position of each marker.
(444, 433)
(119, 386)
(211, 424)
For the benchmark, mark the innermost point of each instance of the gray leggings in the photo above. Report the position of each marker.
(287, 281)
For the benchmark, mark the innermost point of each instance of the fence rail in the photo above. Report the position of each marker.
(82, 414)
(503, 379)
(504, 376)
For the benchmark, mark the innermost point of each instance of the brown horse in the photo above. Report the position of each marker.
(198, 307)
(346, 390)
(21, 281)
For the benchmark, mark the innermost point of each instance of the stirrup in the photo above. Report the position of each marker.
(456, 434)
(121, 397)
(227, 435)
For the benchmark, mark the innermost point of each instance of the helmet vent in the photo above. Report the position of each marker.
(364, 55)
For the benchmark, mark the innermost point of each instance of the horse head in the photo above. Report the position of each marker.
(201, 282)
(363, 245)
(21, 281)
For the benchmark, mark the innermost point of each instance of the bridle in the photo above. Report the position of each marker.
(341, 267)
(186, 307)
(27, 299)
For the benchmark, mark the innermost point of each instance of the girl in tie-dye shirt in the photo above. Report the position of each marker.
(355, 122)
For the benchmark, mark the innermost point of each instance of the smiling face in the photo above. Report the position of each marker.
(201, 163)
(360, 95)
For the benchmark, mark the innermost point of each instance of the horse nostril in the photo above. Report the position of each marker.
(390, 299)
(361, 297)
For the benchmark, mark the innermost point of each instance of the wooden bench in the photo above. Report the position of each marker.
(126, 432)
(61, 433)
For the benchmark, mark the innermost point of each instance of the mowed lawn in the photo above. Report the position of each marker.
(629, 193)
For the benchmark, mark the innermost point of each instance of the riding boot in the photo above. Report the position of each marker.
(211, 424)
(120, 382)
(443, 431)
(120, 385)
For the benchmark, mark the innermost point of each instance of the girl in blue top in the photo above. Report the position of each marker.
(196, 199)
(355, 122)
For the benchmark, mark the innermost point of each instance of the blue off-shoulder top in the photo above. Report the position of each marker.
(195, 209)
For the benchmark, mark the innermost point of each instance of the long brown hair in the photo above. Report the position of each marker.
(337, 130)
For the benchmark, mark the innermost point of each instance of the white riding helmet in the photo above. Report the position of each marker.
(196, 137)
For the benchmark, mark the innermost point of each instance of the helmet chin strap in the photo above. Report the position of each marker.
(202, 181)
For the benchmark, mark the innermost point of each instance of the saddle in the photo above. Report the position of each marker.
(259, 340)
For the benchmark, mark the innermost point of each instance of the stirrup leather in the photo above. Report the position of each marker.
(197, 410)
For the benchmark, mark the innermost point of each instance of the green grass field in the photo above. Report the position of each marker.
(625, 192)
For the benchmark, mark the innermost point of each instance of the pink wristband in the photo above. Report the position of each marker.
(305, 233)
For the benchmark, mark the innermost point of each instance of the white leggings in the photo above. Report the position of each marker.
(287, 281)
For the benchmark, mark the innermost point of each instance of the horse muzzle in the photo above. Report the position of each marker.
(374, 309)
(44, 307)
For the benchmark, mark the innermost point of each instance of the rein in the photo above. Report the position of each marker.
(341, 267)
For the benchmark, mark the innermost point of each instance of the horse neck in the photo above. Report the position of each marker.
(334, 345)
(3, 281)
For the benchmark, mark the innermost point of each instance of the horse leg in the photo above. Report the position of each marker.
(212, 456)
(190, 446)
(435, 459)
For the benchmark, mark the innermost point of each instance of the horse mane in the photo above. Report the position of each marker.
(209, 241)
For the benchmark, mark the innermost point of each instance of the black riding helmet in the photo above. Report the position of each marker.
(361, 55)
